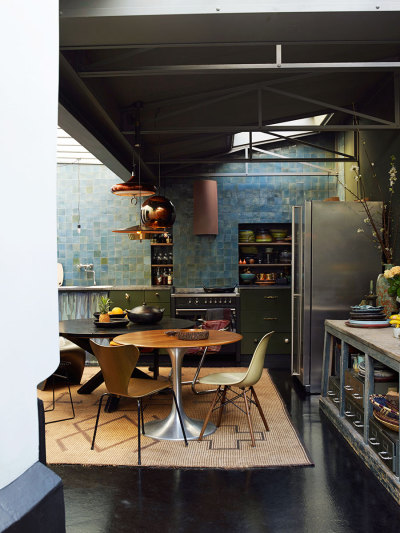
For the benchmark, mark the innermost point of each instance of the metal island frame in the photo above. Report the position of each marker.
(351, 412)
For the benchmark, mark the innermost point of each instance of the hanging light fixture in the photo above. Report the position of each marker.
(158, 211)
(141, 231)
(133, 187)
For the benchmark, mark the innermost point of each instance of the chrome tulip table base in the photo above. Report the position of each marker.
(170, 428)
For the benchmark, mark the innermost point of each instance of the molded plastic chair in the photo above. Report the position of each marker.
(117, 364)
(244, 381)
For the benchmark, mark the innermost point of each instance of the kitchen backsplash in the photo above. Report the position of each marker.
(84, 195)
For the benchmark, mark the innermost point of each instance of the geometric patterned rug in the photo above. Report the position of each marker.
(229, 447)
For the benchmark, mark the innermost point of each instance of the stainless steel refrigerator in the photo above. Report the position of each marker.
(332, 266)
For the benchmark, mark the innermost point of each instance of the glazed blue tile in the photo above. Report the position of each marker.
(198, 260)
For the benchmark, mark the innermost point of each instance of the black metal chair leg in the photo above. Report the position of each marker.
(139, 404)
(70, 399)
(180, 417)
(141, 410)
(54, 401)
(97, 418)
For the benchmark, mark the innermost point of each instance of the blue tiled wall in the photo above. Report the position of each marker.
(198, 260)
(116, 259)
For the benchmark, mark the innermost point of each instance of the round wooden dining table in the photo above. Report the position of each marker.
(79, 331)
(170, 428)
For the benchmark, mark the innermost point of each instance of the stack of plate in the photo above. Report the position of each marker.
(381, 372)
(365, 316)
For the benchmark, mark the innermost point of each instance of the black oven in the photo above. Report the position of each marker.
(197, 305)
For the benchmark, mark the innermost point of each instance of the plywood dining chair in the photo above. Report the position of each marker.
(244, 383)
(117, 364)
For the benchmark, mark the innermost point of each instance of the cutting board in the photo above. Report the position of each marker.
(60, 274)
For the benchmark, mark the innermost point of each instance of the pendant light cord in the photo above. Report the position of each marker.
(79, 197)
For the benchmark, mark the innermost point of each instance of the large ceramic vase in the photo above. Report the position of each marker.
(383, 296)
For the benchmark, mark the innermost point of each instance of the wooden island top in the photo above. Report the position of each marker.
(380, 340)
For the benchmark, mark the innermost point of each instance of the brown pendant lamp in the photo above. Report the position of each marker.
(143, 231)
(133, 187)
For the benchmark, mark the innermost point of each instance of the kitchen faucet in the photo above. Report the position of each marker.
(88, 268)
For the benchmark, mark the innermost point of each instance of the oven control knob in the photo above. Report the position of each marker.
(205, 301)
(190, 301)
(196, 301)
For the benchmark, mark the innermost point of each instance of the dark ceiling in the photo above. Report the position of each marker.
(181, 85)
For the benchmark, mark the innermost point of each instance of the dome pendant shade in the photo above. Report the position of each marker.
(158, 212)
(133, 188)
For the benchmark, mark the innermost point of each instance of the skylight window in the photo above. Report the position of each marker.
(242, 139)
(69, 151)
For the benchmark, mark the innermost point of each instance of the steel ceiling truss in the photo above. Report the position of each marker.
(214, 97)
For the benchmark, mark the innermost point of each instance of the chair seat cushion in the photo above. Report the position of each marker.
(223, 378)
(66, 345)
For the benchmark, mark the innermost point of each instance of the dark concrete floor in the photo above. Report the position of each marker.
(338, 495)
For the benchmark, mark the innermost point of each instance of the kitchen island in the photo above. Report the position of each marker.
(351, 411)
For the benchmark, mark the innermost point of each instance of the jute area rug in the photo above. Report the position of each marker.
(116, 441)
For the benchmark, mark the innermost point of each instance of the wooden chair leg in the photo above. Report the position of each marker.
(222, 406)
(209, 413)
(259, 409)
(253, 442)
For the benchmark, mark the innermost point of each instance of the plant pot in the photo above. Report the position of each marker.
(396, 333)
(383, 297)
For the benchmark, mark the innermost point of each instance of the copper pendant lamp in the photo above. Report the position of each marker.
(143, 231)
(133, 188)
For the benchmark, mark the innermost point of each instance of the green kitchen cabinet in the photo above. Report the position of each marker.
(261, 311)
(159, 299)
(128, 299)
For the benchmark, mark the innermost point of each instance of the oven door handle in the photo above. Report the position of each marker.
(194, 309)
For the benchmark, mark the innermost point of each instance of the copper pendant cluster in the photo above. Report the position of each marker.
(158, 212)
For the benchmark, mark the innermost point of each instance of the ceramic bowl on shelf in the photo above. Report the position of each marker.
(278, 233)
(247, 277)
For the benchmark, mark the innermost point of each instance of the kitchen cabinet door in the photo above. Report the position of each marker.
(159, 299)
(279, 343)
(265, 310)
(126, 299)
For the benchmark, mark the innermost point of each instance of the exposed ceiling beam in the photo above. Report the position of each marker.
(213, 44)
(251, 160)
(78, 131)
(175, 70)
(271, 127)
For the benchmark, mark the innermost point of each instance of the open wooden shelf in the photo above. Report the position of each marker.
(251, 265)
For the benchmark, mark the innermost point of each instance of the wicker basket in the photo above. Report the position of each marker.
(193, 335)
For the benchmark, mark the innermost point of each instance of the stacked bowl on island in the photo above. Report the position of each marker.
(364, 316)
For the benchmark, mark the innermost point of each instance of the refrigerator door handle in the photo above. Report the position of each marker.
(297, 291)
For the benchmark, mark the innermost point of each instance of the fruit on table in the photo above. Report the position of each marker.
(104, 307)
(116, 311)
(395, 320)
